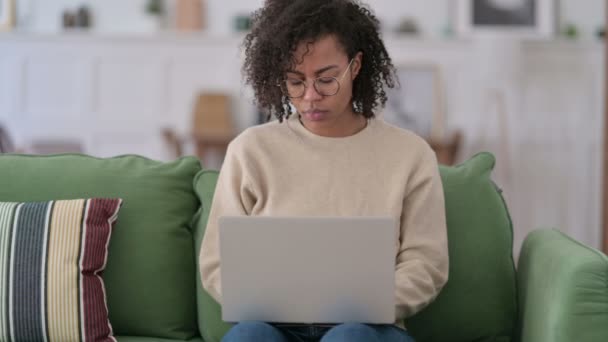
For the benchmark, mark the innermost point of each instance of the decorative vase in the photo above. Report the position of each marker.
(189, 15)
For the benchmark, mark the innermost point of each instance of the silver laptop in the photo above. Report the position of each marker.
(308, 270)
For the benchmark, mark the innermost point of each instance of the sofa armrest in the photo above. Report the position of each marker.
(563, 290)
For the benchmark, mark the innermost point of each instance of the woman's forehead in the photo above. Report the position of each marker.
(312, 55)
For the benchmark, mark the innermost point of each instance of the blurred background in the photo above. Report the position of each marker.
(523, 79)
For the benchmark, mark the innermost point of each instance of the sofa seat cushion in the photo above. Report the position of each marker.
(152, 339)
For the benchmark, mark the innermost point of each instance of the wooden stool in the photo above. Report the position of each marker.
(447, 151)
(203, 145)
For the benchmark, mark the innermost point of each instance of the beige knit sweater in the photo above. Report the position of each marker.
(282, 169)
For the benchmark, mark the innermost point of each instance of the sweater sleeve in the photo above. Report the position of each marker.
(233, 197)
(422, 258)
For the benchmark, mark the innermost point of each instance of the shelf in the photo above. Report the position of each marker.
(392, 40)
(78, 36)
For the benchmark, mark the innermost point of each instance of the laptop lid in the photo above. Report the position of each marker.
(308, 270)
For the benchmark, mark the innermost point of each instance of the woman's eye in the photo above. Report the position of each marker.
(326, 80)
(294, 82)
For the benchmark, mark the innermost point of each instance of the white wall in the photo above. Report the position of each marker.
(114, 94)
(127, 16)
(554, 90)
(588, 15)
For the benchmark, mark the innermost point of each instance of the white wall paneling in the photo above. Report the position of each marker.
(7, 104)
(53, 88)
(115, 93)
(129, 90)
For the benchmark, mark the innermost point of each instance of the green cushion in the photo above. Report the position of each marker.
(149, 276)
(479, 300)
(209, 312)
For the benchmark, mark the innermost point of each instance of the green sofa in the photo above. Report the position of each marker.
(560, 292)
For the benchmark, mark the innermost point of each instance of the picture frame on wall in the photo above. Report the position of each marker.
(417, 104)
(525, 18)
(7, 15)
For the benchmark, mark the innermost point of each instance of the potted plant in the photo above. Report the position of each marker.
(155, 12)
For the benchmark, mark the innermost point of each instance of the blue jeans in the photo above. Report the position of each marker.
(347, 332)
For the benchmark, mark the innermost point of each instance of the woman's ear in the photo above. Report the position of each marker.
(357, 63)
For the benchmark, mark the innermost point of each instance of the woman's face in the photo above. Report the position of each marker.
(320, 112)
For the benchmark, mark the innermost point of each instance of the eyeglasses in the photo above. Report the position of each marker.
(326, 86)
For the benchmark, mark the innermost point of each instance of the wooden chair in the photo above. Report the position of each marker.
(212, 127)
(6, 143)
(447, 151)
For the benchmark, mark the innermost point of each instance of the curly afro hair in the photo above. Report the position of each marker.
(281, 25)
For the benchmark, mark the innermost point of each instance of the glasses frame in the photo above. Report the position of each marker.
(314, 84)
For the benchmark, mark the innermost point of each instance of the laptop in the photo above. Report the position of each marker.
(308, 270)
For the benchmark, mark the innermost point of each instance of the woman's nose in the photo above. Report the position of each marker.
(311, 94)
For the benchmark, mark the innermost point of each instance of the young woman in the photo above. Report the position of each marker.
(320, 67)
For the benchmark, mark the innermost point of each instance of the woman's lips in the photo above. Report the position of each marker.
(315, 115)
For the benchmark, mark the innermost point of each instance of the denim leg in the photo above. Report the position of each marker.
(303, 332)
(357, 332)
(392, 333)
(254, 332)
(352, 332)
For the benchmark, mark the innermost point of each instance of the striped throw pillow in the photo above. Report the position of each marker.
(52, 255)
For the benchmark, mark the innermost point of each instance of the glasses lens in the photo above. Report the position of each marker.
(293, 87)
(327, 86)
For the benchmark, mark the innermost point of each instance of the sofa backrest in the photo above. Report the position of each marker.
(150, 279)
(479, 301)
